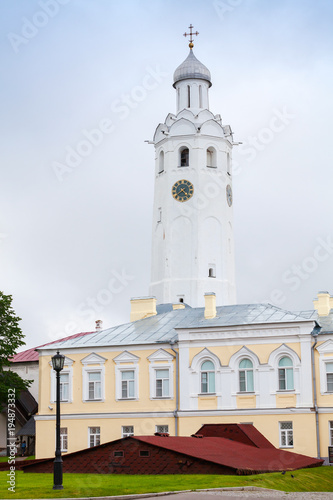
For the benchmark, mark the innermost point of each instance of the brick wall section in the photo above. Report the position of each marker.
(101, 460)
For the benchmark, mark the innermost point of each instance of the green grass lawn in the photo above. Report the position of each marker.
(5, 459)
(32, 485)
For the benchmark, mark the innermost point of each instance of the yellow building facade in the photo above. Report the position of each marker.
(178, 368)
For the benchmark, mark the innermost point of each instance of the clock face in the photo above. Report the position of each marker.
(182, 190)
(229, 195)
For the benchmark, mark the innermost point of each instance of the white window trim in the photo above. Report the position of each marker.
(322, 372)
(161, 425)
(273, 361)
(63, 450)
(330, 432)
(244, 353)
(195, 370)
(160, 360)
(122, 431)
(89, 427)
(85, 380)
(68, 368)
(283, 446)
(126, 368)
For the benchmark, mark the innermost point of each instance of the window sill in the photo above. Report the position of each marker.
(207, 394)
(286, 391)
(93, 400)
(286, 447)
(245, 393)
(183, 166)
(161, 397)
(127, 399)
(211, 166)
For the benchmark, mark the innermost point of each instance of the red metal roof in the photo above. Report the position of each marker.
(233, 454)
(243, 433)
(32, 354)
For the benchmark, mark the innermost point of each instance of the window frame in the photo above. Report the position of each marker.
(327, 382)
(181, 151)
(68, 369)
(208, 382)
(126, 434)
(330, 430)
(94, 382)
(92, 363)
(162, 431)
(128, 384)
(126, 361)
(163, 395)
(96, 435)
(246, 371)
(63, 437)
(283, 434)
(285, 370)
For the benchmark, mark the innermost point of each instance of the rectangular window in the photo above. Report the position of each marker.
(94, 436)
(94, 385)
(63, 439)
(286, 435)
(118, 453)
(329, 376)
(127, 430)
(162, 383)
(286, 379)
(144, 453)
(331, 433)
(162, 428)
(64, 385)
(127, 384)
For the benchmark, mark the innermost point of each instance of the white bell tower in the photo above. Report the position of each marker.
(193, 244)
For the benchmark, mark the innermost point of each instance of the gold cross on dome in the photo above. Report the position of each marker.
(190, 34)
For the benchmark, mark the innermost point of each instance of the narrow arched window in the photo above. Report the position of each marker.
(200, 96)
(188, 96)
(286, 374)
(211, 157)
(207, 377)
(161, 162)
(246, 376)
(184, 157)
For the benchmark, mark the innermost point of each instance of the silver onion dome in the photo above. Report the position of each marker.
(191, 68)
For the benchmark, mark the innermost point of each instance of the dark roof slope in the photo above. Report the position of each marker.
(232, 454)
(242, 433)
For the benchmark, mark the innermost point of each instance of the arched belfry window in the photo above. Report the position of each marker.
(207, 375)
(211, 157)
(188, 96)
(184, 159)
(161, 162)
(200, 96)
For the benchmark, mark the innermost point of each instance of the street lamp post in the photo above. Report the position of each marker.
(58, 364)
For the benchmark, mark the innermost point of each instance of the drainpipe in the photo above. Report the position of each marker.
(314, 333)
(175, 413)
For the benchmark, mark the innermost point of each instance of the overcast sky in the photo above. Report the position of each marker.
(75, 229)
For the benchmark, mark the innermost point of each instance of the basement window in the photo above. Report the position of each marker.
(144, 453)
(118, 453)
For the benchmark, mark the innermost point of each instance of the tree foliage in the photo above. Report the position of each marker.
(11, 338)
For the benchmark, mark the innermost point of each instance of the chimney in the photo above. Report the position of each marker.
(99, 325)
(178, 305)
(323, 304)
(142, 307)
(210, 305)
